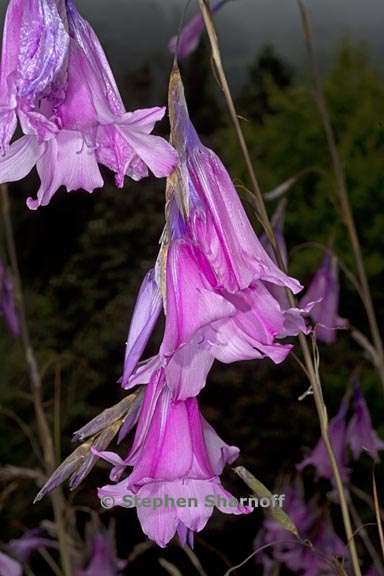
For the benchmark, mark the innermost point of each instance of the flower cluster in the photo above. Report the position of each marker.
(212, 280)
(219, 287)
(357, 433)
(56, 82)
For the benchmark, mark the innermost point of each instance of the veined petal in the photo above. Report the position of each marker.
(146, 312)
(154, 151)
(43, 47)
(9, 58)
(187, 369)
(220, 454)
(67, 162)
(159, 524)
(143, 119)
(191, 303)
(217, 220)
(20, 158)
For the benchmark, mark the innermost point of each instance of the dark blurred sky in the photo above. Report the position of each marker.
(134, 31)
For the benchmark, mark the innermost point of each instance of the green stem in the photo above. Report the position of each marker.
(311, 369)
(342, 192)
(36, 386)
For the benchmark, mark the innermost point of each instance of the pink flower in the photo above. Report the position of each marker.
(60, 87)
(361, 436)
(324, 292)
(338, 437)
(103, 560)
(212, 272)
(23, 547)
(188, 40)
(177, 460)
(9, 566)
(314, 525)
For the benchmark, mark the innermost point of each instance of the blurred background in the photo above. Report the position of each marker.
(82, 258)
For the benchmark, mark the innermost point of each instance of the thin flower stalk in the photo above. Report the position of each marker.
(309, 361)
(342, 192)
(36, 385)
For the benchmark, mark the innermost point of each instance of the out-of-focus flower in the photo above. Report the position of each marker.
(314, 525)
(212, 272)
(9, 566)
(338, 437)
(55, 79)
(7, 301)
(177, 460)
(324, 292)
(361, 436)
(103, 560)
(23, 547)
(183, 44)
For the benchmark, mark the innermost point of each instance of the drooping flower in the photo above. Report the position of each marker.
(23, 547)
(7, 301)
(212, 271)
(20, 551)
(361, 436)
(314, 526)
(177, 460)
(183, 44)
(103, 560)
(338, 437)
(59, 85)
(324, 289)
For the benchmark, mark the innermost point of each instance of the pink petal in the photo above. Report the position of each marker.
(146, 312)
(191, 302)
(67, 162)
(20, 158)
(219, 453)
(159, 524)
(187, 370)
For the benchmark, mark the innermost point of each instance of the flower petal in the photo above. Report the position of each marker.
(20, 158)
(67, 162)
(145, 314)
